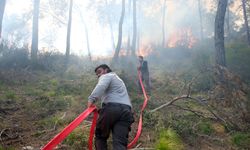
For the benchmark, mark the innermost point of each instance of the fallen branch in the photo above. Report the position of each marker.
(169, 103)
(209, 109)
(138, 145)
(9, 136)
(210, 138)
(2, 131)
(186, 109)
(192, 98)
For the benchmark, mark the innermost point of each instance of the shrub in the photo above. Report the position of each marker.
(77, 139)
(6, 148)
(237, 55)
(10, 95)
(14, 58)
(183, 124)
(241, 140)
(169, 140)
(205, 128)
(44, 106)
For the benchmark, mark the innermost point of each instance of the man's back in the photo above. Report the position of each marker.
(144, 67)
(116, 92)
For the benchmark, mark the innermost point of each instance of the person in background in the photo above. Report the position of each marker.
(115, 114)
(143, 68)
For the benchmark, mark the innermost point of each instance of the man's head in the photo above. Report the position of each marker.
(140, 58)
(102, 69)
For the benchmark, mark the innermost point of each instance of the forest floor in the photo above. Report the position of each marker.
(35, 106)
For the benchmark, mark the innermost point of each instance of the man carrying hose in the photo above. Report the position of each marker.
(115, 114)
(143, 68)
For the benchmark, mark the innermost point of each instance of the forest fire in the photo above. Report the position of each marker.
(182, 38)
(145, 50)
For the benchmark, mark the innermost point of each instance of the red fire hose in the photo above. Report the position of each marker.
(67, 130)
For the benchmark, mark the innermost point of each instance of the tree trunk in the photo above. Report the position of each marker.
(201, 22)
(219, 33)
(129, 29)
(87, 37)
(34, 44)
(111, 32)
(228, 21)
(138, 41)
(110, 27)
(163, 23)
(128, 46)
(133, 47)
(2, 7)
(119, 43)
(69, 32)
(246, 20)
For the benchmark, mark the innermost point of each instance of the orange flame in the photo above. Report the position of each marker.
(183, 38)
(145, 50)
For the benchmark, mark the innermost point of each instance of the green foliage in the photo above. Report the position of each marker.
(205, 128)
(44, 106)
(14, 57)
(241, 140)
(6, 148)
(54, 82)
(202, 58)
(10, 95)
(31, 91)
(237, 55)
(2, 86)
(150, 119)
(184, 123)
(50, 93)
(49, 122)
(169, 140)
(69, 87)
(77, 139)
(204, 82)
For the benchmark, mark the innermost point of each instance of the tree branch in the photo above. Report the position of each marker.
(186, 109)
(169, 103)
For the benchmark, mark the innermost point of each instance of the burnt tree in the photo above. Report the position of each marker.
(69, 32)
(35, 29)
(220, 58)
(2, 7)
(119, 42)
(246, 20)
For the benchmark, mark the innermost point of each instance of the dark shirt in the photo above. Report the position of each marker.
(144, 67)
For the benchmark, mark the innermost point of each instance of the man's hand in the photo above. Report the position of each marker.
(90, 104)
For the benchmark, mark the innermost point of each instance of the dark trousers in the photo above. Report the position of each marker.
(145, 78)
(117, 118)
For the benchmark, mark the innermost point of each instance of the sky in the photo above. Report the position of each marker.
(178, 15)
(98, 36)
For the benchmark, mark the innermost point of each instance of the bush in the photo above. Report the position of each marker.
(69, 88)
(77, 139)
(237, 55)
(14, 58)
(6, 148)
(241, 140)
(204, 82)
(10, 95)
(169, 140)
(205, 128)
(183, 124)
(44, 106)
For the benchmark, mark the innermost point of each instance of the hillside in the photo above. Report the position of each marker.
(36, 104)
